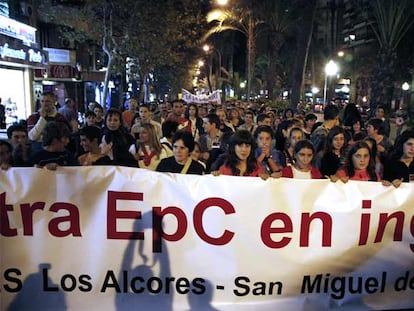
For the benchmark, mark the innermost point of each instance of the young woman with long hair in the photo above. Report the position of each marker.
(194, 123)
(148, 150)
(372, 144)
(240, 159)
(302, 167)
(334, 152)
(359, 165)
(116, 140)
(235, 117)
(357, 131)
(295, 134)
(400, 167)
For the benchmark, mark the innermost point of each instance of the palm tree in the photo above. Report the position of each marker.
(278, 20)
(244, 20)
(261, 70)
(304, 29)
(390, 21)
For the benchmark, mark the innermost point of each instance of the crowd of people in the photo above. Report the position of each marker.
(233, 138)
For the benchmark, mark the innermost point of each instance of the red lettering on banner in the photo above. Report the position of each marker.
(364, 226)
(307, 218)
(158, 215)
(113, 214)
(267, 230)
(27, 215)
(27, 211)
(383, 221)
(10, 220)
(398, 229)
(72, 218)
(412, 233)
(199, 210)
(5, 228)
(159, 233)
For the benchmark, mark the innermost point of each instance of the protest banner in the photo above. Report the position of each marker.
(117, 238)
(213, 97)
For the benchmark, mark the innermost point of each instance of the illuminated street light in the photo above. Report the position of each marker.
(222, 2)
(331, 69)
(405, 86)
(215, 15)
(315, 90)
(209, 50)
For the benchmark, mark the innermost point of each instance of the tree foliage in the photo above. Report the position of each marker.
(274, 22)
(243, 19)
(157, 34)
(390, 22)
(278, 25)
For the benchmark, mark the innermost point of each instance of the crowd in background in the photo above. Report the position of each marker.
(233, 138)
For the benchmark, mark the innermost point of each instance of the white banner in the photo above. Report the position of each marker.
(189, 97)
(115, 238)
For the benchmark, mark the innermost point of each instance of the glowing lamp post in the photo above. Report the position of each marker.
(222, 2)
(405, 86)
(405, 99)
(210, 50)
(331, 69)
(315, 91)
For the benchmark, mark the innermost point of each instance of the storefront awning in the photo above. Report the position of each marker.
(14, 53)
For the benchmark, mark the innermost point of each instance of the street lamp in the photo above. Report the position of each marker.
(405, 86)
(242, 87)
(207, 49)
(222, 2)
(331, 68)
(315, 90)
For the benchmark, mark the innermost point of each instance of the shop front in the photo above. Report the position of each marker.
(61, 76)
(18, 57)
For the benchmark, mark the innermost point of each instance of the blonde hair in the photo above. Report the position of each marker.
(154, 141)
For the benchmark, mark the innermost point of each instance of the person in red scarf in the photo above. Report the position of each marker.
(148, 150)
